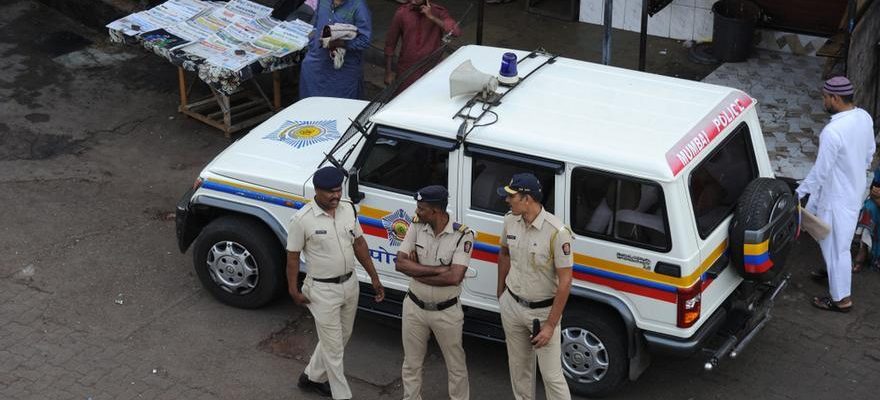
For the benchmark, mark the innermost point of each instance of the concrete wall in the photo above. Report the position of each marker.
(862, 61)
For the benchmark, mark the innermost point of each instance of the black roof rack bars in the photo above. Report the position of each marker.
(469, 122)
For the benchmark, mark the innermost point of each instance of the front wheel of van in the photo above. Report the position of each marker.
(240, 262)
(594, 357)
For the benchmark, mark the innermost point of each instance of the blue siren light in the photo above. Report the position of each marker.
(508, 73)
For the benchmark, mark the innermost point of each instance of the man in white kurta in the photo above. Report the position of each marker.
(836, 185)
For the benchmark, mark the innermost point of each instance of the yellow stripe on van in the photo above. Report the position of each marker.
(260, 190)
(489, 238)
(636, 272)
(371, 212)
(756, 249)
(608, 265)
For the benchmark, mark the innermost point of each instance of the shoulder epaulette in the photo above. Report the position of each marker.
(463, 229)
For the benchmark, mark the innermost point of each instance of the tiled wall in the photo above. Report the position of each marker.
(683, 19)
(690, 20)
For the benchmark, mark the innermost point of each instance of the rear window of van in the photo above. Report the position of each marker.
(717, 182)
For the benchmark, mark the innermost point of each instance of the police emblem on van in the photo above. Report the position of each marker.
(300, 134)
(396, 224)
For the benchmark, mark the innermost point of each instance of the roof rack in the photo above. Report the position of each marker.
(493, 99)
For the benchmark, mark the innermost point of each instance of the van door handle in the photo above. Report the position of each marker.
(470, 273)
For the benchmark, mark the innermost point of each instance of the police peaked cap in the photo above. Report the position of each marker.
(328, 178)
(432, 194)
(525, 182)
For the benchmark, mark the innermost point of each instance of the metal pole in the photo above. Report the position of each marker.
(606, 40)
(850, 27)
(481, 5)
(643, 36)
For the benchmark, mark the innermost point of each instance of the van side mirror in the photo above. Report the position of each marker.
(354, 192)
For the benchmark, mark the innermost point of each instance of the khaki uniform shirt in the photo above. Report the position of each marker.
(445, 249)
(536, 251)
(325, 241)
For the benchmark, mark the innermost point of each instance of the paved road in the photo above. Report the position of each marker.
(96, 301)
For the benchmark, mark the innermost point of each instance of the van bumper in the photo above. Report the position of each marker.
(675, 346)
(183, 221)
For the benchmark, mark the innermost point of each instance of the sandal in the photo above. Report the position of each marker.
(825, 303)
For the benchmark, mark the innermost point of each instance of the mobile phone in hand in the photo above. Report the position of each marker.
(536, 327)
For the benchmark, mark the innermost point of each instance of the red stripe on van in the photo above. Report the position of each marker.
(668, 297)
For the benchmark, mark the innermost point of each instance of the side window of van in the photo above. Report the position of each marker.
(489, 172)
(719, 180)
(619, 209)
(404, 166)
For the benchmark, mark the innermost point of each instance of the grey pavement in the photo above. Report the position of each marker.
(97, 302)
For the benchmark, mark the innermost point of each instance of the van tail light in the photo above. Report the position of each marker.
(198, 183)
(688, 302)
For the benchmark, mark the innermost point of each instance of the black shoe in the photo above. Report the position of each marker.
(322, 388)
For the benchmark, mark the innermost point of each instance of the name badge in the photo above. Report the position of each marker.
(511, 237)
(321, 232)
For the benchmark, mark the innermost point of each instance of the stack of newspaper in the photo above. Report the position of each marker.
(232, 36)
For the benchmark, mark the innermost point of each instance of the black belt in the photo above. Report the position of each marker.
(531, 304)
(335, 279)
(432, 306)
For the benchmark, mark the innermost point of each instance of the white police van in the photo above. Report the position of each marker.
(680, 230)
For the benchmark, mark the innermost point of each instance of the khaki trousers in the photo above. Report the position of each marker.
(517, 323)
(333, 306)
(417, 327)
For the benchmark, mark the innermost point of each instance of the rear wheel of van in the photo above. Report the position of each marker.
(594, 358)
(239, 261)
(763, 229)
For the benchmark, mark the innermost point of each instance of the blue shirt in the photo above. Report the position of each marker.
(318, 77)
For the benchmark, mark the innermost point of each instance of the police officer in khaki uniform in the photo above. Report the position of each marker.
(328, 233)
(435, 253)
(534, 279)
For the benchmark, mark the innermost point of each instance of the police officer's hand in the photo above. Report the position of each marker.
(379, 289)
(544, 335)
(299, 298)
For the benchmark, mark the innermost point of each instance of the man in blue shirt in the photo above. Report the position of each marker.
(318, 77)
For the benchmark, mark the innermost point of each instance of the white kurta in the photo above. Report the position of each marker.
(836, 185)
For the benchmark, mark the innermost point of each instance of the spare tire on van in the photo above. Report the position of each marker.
(763, 229)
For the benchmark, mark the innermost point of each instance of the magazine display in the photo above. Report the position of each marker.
(230, 36)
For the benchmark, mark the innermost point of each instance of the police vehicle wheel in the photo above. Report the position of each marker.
(763, 200)
(594, 357)
(240, 262)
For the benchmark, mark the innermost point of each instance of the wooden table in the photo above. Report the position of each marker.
(230, 113)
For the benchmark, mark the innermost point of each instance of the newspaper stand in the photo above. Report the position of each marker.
(245, 42)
